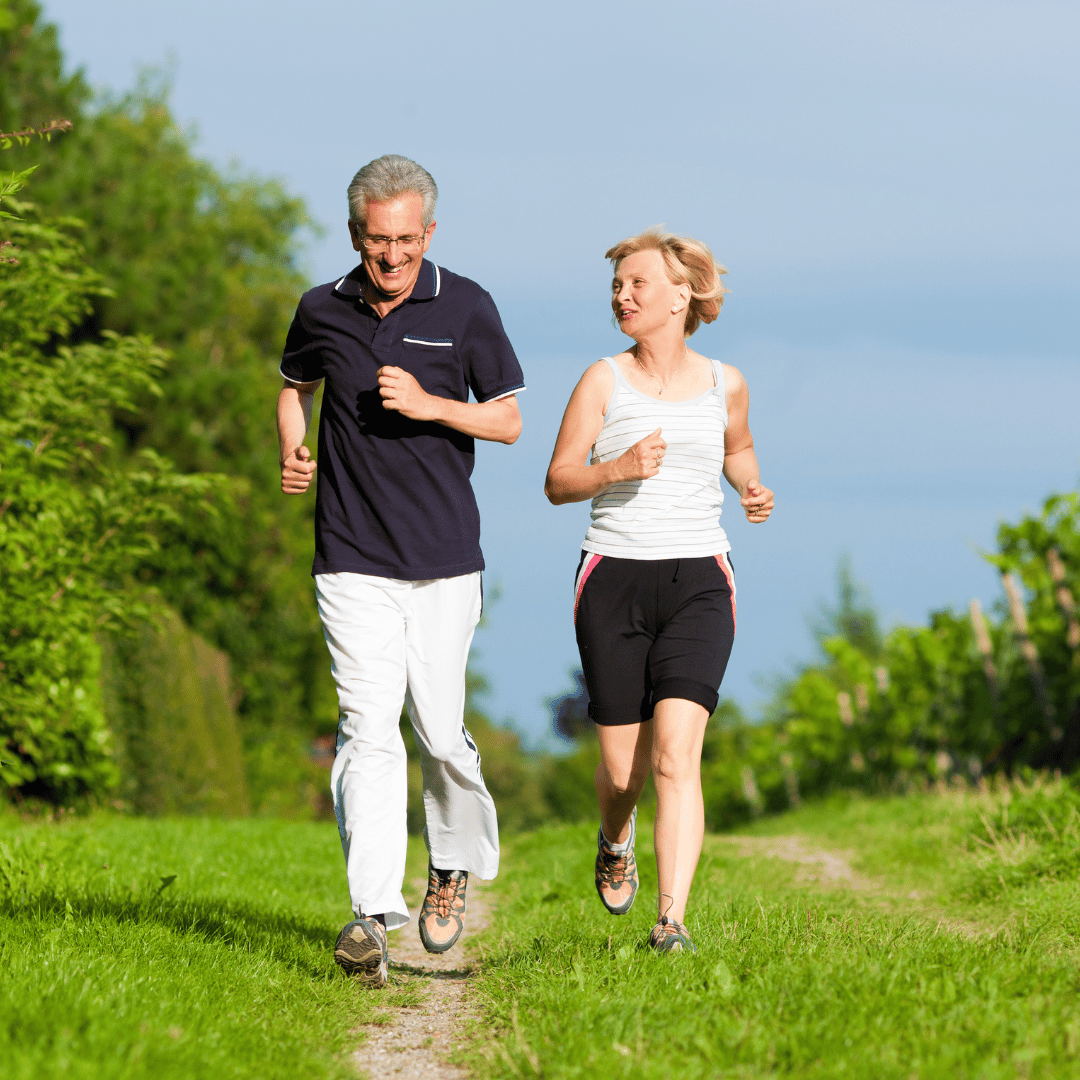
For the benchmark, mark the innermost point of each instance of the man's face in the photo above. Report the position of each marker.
(393, 269)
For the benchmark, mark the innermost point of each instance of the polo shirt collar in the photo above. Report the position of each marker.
(428, 283)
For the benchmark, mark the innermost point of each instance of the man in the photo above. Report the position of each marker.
(399, 342)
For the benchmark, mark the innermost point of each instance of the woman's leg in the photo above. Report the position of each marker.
(678, 732)
(625, 760)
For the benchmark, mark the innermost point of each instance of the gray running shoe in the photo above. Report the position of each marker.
(616, 875)
(442, 918)
(361, 950)
(670, 936)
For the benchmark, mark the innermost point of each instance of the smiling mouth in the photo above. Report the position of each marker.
(626, 314)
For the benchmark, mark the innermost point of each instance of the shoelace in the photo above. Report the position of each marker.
(445, 896)
(615, 865)
(669, 927)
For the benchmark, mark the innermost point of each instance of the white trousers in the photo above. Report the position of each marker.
(391, 642)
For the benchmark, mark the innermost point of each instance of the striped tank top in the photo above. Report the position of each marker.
(676, 513)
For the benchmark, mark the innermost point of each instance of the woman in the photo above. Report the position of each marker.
(645, 436)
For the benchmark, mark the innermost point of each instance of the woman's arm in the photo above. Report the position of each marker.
(568, 479)
(740, 461)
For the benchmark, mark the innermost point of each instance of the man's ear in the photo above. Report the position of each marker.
(354, 234)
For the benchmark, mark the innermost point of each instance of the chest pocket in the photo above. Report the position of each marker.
(428, 342)
(436, 365)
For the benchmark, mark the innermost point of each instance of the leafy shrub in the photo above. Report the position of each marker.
(76, 518)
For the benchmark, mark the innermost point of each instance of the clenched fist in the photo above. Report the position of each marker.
(401, 393)
(643, 459)
(757, 502)
(296, 471)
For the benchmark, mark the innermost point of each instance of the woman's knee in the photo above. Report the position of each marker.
(675, 766)
(621, 778)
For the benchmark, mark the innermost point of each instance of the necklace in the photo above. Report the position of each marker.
(664, 385)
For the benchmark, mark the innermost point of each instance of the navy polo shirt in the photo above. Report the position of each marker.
(393, 496)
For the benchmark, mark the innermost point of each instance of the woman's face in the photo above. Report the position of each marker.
(642, 296)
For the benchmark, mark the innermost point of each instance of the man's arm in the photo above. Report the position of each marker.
(293, 419)
(493, 421)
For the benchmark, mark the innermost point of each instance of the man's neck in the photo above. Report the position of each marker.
(379, 302)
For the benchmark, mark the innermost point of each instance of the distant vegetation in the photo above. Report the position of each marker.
(972, 694)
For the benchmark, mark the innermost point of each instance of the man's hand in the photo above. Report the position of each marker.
(296, 471)
(402, 393)
(757, 501)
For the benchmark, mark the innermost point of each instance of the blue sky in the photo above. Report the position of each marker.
(891, 185)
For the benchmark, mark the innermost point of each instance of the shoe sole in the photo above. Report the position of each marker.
(366, 963)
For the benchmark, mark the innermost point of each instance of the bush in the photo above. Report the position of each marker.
(77, 519)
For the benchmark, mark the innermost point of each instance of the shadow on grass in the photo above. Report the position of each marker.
(288, 938)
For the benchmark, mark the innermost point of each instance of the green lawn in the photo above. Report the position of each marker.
(954, 956)
(225, 972)
(952, 959)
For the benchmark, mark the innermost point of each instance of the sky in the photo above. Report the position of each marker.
(892, 187)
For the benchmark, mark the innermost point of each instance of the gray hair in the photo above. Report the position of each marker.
(390, 177)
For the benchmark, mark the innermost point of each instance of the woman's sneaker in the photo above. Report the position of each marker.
(442, 917)
(616, 872)
(670, 936)
(361, 950)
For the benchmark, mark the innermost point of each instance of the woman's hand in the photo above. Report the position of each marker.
(643, 459)
(757, 501)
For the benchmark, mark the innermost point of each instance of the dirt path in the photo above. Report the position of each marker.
(416, 1043)
(816, 865)
(832, 870)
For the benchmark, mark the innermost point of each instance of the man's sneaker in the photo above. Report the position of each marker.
(616, 874)
(442, 918)
(670, 936)
(361, 950)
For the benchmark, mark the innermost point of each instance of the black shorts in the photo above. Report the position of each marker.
(652, 629)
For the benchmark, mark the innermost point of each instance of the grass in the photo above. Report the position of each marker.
(188, 948)
(176, 949)
(939, 965)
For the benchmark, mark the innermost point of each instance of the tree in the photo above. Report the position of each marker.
(853, 617)
(77, 518)
(205, 263)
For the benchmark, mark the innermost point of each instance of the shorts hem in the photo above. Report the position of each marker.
(690, 690)
(612, 717)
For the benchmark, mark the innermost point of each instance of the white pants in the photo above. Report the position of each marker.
(391, 642)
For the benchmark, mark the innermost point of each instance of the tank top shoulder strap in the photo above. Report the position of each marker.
(611, 363)
(620, 382)
(718, 377)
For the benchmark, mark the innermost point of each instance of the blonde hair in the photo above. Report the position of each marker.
(688, 262)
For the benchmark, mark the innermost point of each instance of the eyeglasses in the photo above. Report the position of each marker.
(378, 244)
